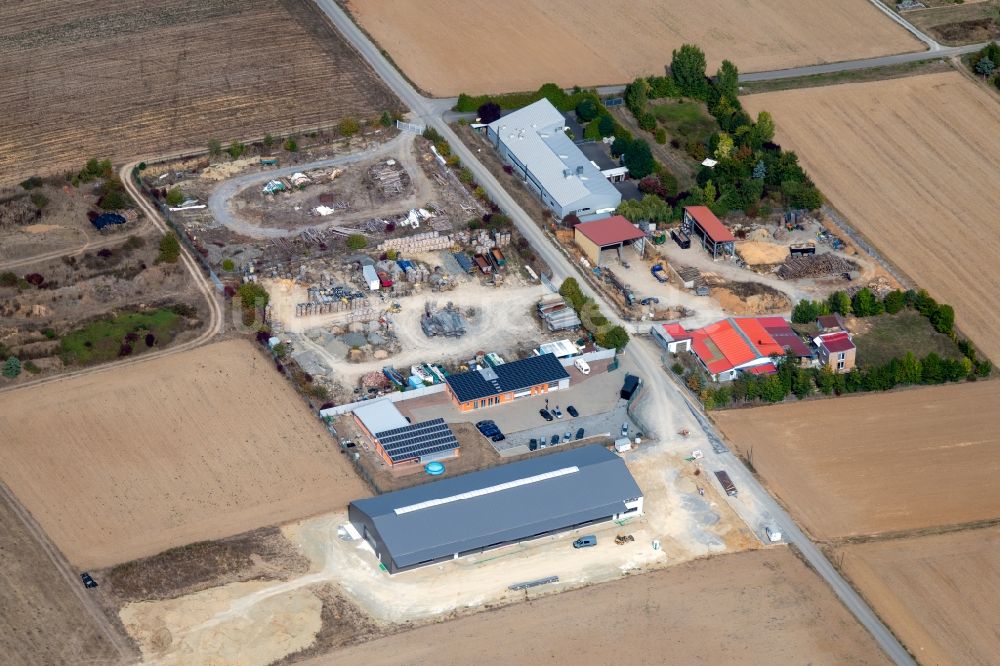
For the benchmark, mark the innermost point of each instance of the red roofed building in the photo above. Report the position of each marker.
(836, 351)
(715, 236)
(611, 233)
(734, 345)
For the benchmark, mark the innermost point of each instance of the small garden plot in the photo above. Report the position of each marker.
(690, 121)
(122, 335)
(885, 337)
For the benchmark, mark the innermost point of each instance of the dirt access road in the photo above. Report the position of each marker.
(196, 446)
(727, 609)
(938, 593)
(635, 39)
(912, 163)
(877, 463)
(167, 77)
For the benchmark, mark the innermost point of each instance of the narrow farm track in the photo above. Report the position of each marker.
(215, 310)
(90, 244)
(125, 651)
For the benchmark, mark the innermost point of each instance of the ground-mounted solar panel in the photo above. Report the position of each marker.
(417, 440)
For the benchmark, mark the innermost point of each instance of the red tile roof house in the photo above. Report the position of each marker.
(836, 351)
(734, 345)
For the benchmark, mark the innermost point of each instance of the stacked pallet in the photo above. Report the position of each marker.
(429, 241)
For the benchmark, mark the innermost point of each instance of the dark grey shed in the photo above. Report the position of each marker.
(475, 512)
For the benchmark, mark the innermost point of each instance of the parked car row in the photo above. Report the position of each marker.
(541, 442)
(491, 431)
(556, 413)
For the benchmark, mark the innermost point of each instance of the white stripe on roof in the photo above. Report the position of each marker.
(489, 490)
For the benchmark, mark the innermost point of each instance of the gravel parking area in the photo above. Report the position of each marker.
(594, 396)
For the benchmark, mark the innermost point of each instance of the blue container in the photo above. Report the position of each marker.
(434, 468)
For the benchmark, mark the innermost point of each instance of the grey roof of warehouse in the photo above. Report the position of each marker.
(535, 135)
(501, 504)
(507, 377)
(380, 415)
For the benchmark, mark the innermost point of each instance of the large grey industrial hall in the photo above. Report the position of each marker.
(474, 512)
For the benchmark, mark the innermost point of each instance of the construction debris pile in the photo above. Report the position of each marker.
(814, 266)
(328, 297)
(880, 286)
(447, 322)
(389, 179)
(557, 313)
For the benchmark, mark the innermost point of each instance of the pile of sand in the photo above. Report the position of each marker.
(756, 304)
(757, 253)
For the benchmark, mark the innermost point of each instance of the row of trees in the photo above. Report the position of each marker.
(865, 303)
(605, 334)
(790, 379)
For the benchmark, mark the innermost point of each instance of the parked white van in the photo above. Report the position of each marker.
(582, 366)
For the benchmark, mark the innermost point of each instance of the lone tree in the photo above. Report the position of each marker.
(12, 368)
(175, 197)
(236, 150)
(214, 147)
(488, 112)
(348, 127)
(170, 248)
(687, 68)
(985, 66)
(586, 110)
(356, 242)
(727, 80)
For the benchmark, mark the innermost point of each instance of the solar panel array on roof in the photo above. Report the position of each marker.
(417, 440)
(506, 378)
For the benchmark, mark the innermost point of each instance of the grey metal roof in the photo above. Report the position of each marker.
(513, 376)
(380, 415)
(585, 484)
(417, 440)
(535, 136)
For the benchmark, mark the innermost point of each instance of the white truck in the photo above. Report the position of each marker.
(773, 534)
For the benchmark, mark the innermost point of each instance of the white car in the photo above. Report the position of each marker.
(625, 430)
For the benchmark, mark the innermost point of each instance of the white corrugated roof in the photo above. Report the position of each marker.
(380, 415)
(535, 136)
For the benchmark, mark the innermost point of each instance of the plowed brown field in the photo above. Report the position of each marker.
(129, 78)
(760, 606)
(878, 463)
(478, 46)
(195, 446)
(937, 593)
(914, 164)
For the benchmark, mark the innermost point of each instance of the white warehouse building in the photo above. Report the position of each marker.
(534, 142)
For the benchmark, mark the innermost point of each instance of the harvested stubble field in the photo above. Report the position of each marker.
(885, 462)
(194, 446)
(127, 78)
(758, 603)
(42, 622)
(937, 593)
(913, 164)
(476, 46)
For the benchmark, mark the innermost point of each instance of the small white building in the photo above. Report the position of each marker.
(370, 277)
(561, 349)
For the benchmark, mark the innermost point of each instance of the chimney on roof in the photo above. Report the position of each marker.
(579, 170)
(566, 173)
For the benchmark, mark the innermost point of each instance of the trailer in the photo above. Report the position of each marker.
(798, 249)
(659, 273)
(384, 279)
(370, 277)
(727, 483)
(681, 238)
(497, 258)
(483, 264)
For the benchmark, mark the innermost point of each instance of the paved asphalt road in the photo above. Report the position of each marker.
(642, 352)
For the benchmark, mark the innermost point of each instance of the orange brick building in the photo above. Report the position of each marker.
(488, 386)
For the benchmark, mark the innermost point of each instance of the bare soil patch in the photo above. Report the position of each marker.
(127, 78)
(194, 446)
(968, 23)
(443, 45)
(42, 622)
(937, 593)
(767, 601)
(877, 463)
(912, 163)
(750, 298)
